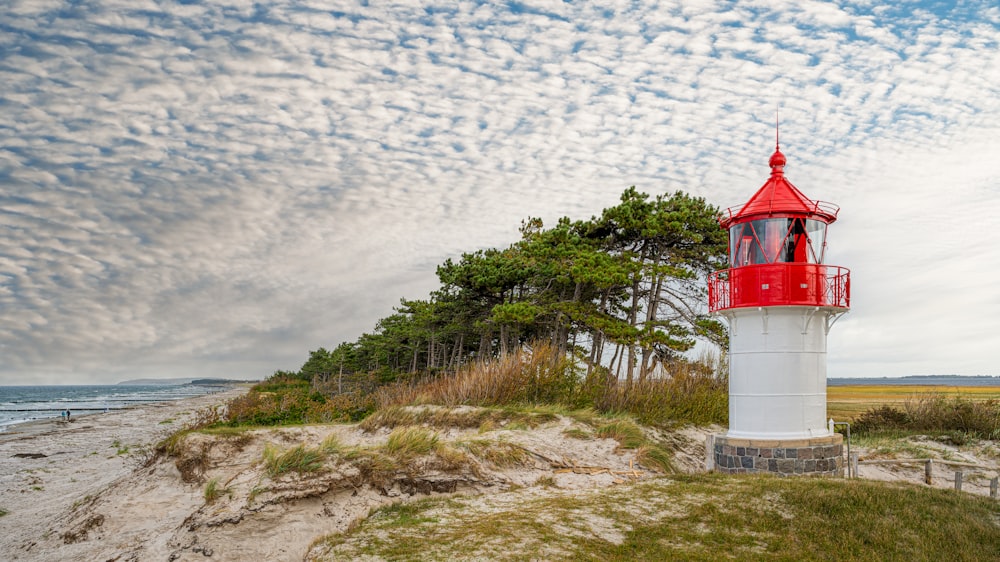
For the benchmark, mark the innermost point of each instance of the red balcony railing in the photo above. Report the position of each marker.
(780, 284)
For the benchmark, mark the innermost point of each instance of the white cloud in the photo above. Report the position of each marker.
(186, 186)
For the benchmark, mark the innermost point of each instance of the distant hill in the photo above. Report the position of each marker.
(177, 381)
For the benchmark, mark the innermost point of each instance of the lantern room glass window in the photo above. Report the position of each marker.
(777, 240)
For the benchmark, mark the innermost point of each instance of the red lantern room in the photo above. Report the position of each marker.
(777, 242)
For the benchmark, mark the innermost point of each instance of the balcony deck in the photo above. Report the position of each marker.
(780, 284)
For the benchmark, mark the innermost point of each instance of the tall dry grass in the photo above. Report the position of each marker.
(535, 375)
(687, 392)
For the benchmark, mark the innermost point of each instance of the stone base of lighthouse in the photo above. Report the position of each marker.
(815, 456)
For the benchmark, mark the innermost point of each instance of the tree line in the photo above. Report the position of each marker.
(622, 294)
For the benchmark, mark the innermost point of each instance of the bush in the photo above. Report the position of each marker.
(937, 413)
(882, 418)
(293, 402)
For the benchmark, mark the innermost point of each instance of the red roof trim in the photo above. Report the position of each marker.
(777, 198)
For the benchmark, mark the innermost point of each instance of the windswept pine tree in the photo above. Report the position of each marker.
(622, 293)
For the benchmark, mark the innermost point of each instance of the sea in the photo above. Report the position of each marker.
(19, 404)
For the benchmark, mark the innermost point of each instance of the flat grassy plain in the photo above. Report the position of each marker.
(849, 401)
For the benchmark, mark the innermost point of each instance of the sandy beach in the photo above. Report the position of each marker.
(48, 466)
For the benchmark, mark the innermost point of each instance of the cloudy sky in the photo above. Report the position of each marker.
(215, 188)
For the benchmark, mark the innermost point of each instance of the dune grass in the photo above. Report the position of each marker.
(404, 443)
(627, 434)
(213, 491)
(498, 453)
(701, 517)
(296, 459)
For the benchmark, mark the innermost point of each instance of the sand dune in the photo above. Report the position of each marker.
(92, 490)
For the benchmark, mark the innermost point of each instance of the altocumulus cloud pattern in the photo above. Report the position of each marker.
(214, 188)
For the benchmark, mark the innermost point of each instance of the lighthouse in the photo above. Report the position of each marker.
(780, 300)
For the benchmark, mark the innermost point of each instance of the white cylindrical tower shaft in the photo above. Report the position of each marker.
(777, 376)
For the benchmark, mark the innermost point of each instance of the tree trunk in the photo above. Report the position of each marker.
(340, 378)
(652, 303)
(484, 345)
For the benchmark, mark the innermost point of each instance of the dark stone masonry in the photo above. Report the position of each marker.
(819, 456)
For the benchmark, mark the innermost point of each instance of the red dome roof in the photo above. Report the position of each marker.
(778, 197)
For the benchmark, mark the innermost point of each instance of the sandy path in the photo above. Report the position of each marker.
(48, 466)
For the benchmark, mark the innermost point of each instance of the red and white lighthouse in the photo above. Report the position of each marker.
(780, 300)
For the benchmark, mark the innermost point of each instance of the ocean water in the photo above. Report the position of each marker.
(19, 404)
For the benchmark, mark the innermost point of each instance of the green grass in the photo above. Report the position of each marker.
(627, 434)
(402, 515)
(120, 448)
(3, 512)
(498, 453)
(577, 433)
(331, 445)
(213, 491)
(702, 517)
(297, 459)
(404, 443)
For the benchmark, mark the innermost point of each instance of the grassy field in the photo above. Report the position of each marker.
(701, 517)
(847, 402)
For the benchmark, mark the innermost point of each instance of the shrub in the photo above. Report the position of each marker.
(935, 412)
(882, 418)
(292, 402)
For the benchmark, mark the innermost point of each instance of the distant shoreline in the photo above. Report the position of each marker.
(922, 380)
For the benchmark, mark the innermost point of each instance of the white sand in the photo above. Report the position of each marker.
(74, 461)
